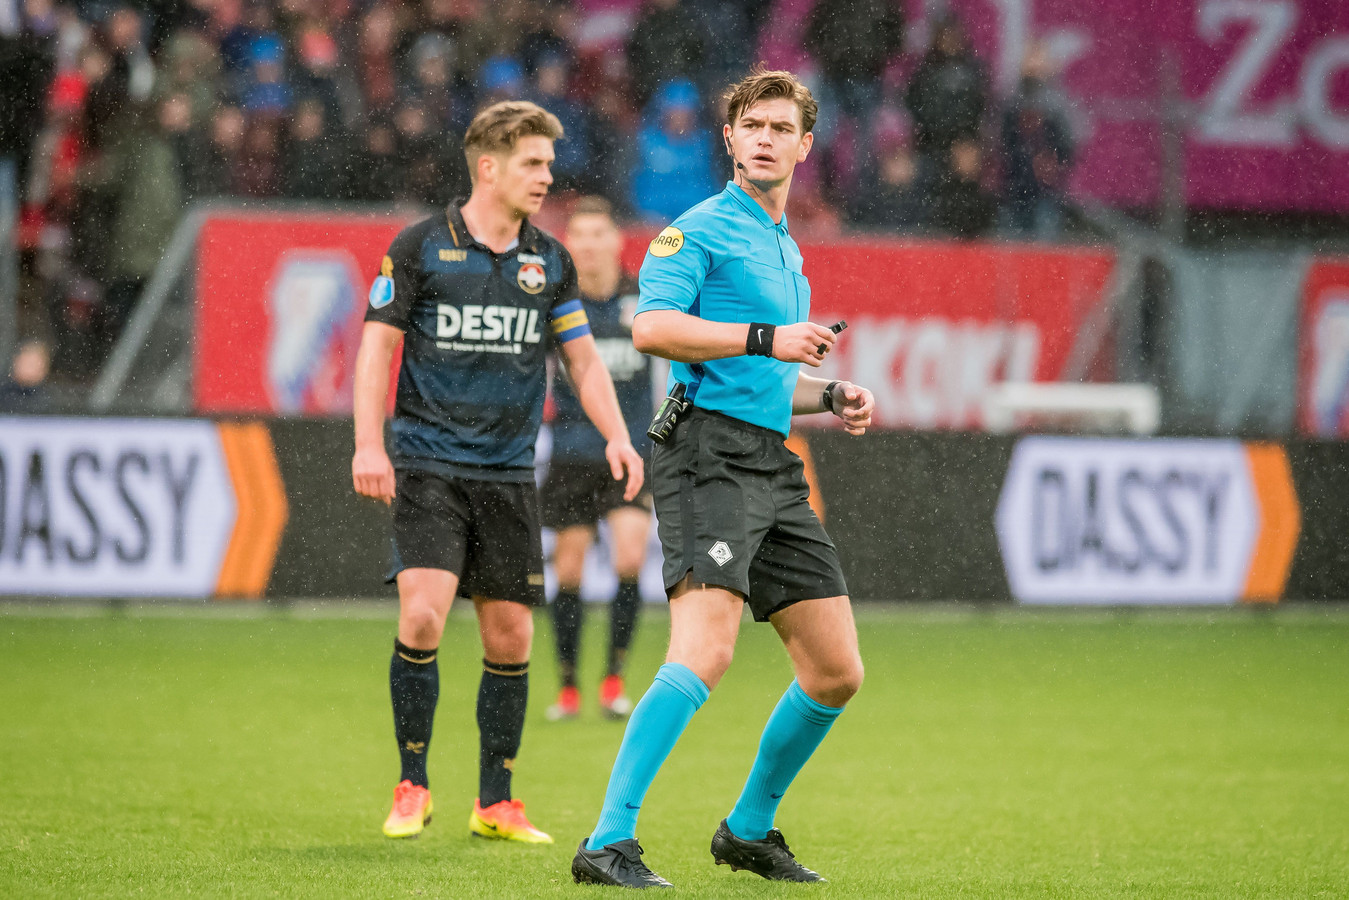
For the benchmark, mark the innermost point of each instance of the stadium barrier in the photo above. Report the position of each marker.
(197, 508)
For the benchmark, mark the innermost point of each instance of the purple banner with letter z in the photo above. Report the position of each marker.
(1263, 93)
(1261, 99)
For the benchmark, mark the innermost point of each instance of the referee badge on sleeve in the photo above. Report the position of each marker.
(668, 242)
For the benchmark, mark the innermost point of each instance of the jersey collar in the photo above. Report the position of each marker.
(744, 199)
(454, 217)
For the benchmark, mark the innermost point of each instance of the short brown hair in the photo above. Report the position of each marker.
(769, 84)
(592, 205)
(498, 127)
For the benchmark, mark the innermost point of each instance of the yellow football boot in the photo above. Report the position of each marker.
(411, 811)
(505, 821)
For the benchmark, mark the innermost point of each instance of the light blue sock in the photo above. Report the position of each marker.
(794, 730)
(656, 724)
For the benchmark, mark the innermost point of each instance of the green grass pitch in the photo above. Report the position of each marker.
(990, 754)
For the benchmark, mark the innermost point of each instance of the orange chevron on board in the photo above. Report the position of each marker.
(260, 499)
(798, 445)
(1280, 523)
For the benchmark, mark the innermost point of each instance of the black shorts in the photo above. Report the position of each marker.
(732, 508)
(486, 532)
(583, 493)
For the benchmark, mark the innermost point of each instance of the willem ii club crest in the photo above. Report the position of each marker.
(531, 278)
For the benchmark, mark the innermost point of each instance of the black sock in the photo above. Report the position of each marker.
(414, 684)
(623, 622)
(567, 625)
(501, 717)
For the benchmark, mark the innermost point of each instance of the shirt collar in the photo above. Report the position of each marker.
(528, 239)
(749, 203)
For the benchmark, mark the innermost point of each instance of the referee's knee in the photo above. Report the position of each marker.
(708, 660)
(853, 682)
(835, 686)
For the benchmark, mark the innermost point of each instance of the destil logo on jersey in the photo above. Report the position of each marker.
(486, 329)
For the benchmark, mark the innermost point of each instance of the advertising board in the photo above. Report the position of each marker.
(1323, 351)
(1159, 521)
(137, 507)
(1261, 86)
(280, 300)
(934, 326)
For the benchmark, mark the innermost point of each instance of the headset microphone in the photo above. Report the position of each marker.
(738, 164)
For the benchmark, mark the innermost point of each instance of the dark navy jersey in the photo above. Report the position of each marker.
(478, 329)
(575, 439)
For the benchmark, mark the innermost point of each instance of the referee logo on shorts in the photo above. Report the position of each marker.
(720, 553)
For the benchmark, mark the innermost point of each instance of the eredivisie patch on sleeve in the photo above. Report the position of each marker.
(381, 290)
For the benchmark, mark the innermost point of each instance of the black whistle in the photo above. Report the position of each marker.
(835, 328)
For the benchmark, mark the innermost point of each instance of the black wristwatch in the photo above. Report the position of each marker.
(828, 399)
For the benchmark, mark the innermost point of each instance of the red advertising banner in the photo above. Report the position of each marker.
(936, 326)
(933, 326)
(1323, 351)
(280, 300)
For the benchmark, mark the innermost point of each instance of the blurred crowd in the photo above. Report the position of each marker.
(116, 114)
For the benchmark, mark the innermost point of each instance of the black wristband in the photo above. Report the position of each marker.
(759, 342)
(828, 398)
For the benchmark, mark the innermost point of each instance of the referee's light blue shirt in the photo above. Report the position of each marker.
(725, 260)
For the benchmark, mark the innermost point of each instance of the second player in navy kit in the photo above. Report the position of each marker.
(579, 491)
(478, 297)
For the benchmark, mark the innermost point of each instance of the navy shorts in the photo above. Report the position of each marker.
(486, 532)
(583, 493)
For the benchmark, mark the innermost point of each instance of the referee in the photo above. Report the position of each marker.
(723, 297)
(477, 296)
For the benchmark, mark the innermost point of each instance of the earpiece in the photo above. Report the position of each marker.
(738, 164)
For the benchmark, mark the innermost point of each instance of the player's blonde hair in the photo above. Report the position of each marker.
(769, 84)
(500, 126)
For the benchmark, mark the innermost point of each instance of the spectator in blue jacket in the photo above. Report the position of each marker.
(674, 167)
(500, 78)
(267, 92)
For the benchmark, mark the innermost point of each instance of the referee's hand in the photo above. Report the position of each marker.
(803, 343)
(372, 474)
(854, 405)
(623, 458)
